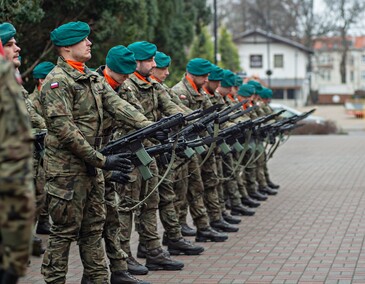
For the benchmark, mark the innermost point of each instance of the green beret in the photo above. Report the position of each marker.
(42, 69)
(7, 31)
(143, 50)
(216, 74)
(162, 60)
(265, 93)
(121, 60)
(229, 79)
(70, 33)
(239, 81)
(199, 66)
(257, 85)
(246, 90)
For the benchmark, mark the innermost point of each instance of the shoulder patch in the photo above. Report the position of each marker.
(183, 97)
(54, 85)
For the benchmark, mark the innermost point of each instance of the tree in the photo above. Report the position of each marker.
(203, 46)
(228, 51)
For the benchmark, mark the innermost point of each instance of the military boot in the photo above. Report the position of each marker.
(230, 219)
(87, 280)
(187, 231)
(182, 246)
(258, 196)
(9, 278)
(124, 277)
(37, 249)
(209, 234)
(267, 190)
(248, 201)
(141, 251)
(135, 268)
(159, 259)
(241, 210)
(273, 185)
(221, 225)
(43, 226)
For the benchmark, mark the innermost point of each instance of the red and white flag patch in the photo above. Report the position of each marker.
(54, 85)
(183, 97)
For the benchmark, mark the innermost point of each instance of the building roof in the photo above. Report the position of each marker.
(335, 43)
(272, 37)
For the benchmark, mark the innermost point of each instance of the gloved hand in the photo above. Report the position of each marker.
(119, 177)
(162, 135)
(118, 162)
(199, 127)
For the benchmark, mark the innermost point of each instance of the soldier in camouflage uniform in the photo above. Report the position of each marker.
(11, 50)
(74, 100)
(17, 203)
(190, 91)
(43, 226)
(120, 63)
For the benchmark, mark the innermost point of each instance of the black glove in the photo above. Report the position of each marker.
(162, 135)
(118, 162)
(199, 127)
(119, 177)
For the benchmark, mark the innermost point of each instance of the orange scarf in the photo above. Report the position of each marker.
(207, 91)
(192, 83)
(139, 76)
(39, 86)
(154, 78)
(114, 84)
(79, 66)
(231, 98)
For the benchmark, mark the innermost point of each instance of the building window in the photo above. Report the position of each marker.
(363, 59)
(291, 94)
(278, 60)
(352, 76)
(256, 61)
(278, 94)
(362, 75)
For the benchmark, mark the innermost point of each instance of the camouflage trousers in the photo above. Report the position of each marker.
(16, 224)
(189, 192)
(250, 171)
(209, 175)
(39, 182)
(112, 231)
(77, 209)
(260, 170)
(145, 215)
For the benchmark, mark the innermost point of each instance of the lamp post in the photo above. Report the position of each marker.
(215, 27)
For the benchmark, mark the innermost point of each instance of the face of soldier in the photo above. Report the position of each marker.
(224, 91)
(145, 67)
(12, 52)
(212, 85)
(80, 52)
(120, 78)
(200, 80)
(161, 73)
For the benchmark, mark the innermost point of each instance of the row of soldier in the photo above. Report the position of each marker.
(90, 197)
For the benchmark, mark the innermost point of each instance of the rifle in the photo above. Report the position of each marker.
(236, 114)
(39, 142)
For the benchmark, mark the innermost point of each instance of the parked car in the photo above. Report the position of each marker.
(311, 124)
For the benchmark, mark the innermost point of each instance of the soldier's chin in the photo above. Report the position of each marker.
(16, 62)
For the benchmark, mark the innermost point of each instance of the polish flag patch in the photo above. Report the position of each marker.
(54, 85)
(183, 97)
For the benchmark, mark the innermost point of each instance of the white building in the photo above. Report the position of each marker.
(326, 69)
(261, 52)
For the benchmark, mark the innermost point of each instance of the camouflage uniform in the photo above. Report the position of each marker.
(153, 101)
(16, 177)
(73, 104)
(195, 99)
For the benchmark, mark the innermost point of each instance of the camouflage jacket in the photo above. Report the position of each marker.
(35, 98)
(175, 98)
(73, 104)
(190, 97)
(35, 117)
(16, 140)
(149, 97)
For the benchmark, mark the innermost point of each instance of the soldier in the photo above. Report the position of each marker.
(11, 50)
(190, 91)
(120, 62)
(73, 102)
(43, 226)
(17, 203)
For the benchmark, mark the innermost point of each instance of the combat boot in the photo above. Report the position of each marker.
(209, 234)
(43, 226)
(141, 251)
(241, 210)
(273, 185)
(187, 231)
(135, 268)
(230, 219)
(87, 280)
(9, 278)
(258, 196)
(182, 246)
(221, 225)
(37, 249)
(159, 259)
(124, 277)
(247, 201)
(268, 190)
